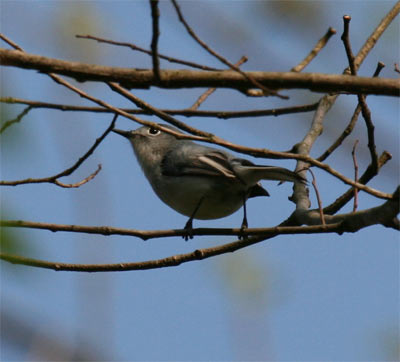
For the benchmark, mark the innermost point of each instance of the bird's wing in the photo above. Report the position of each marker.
(197, 161)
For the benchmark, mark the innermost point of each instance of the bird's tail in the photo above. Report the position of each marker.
(275, 173)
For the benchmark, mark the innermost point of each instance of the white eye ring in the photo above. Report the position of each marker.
(152, 131)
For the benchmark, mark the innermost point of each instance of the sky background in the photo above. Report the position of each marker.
(292, 298)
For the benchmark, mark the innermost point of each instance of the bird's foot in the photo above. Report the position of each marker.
(188, 230)
(243, 228)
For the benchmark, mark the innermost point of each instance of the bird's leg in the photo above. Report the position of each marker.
(189, 224)
(242, 234)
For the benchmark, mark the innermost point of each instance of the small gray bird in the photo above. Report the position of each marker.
(198, 181)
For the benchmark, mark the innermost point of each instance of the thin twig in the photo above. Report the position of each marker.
(10, 42)
(321, 212)
(210, 91)
(347, 131)
(378, 69)
(80, 183)
(353, 153)
(155, 15)
(376, 34)
(142, 50)
(166, 117)
(188, 28)
(15, 120)
(361, 97)
(370, 130)
(314, 52)
(177, 112)
(368, 174)
(201, 99)
(69, 171)
(346, 41)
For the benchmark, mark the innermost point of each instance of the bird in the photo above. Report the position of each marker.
(198, 181)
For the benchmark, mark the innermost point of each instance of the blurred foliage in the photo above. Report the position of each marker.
(389, 344)
(80, 17)
(13, 133)
(301, 13)
(9, 242)
(12, 243)
(247, 279)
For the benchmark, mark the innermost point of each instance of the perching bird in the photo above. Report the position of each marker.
(198, 181)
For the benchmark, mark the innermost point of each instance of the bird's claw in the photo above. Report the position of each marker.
(242, 232)
(188, 230)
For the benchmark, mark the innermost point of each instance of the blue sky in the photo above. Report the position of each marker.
(298, 298)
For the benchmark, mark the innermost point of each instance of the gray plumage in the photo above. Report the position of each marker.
(199, 181)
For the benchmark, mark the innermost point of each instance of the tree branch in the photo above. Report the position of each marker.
(173, 112)
(155, 15)
(361, 97)
(369, 173)
(347, 131)
(210, 91)
(152, 234)
(384, 214)
(139, 49)
(375, 35)
(250, 78)
(134, 78)
(314, 52)
(69, 171)
(16, 119)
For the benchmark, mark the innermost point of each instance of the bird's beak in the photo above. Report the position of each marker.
(125, 134)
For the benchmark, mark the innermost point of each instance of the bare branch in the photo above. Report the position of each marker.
(210, 91)
(152, 234)
(174, 260)
(314, 183)
(370, 129)
(375, 35)
(368, 174)
(69, 171)
(216, 140)
(173, 112)
(384, 215)
(137, 48)
(300, 194)
(10, 42)
(361, 98)
(314, 52)
(267, 92)
(182, 78)
(15, 120)
(80, 183)
(347, 131)
(303, 150)
(164, 116)
(353, 153)
(346, 41)
(155, 15)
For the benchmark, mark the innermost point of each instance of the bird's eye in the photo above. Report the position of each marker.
(153, 131)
